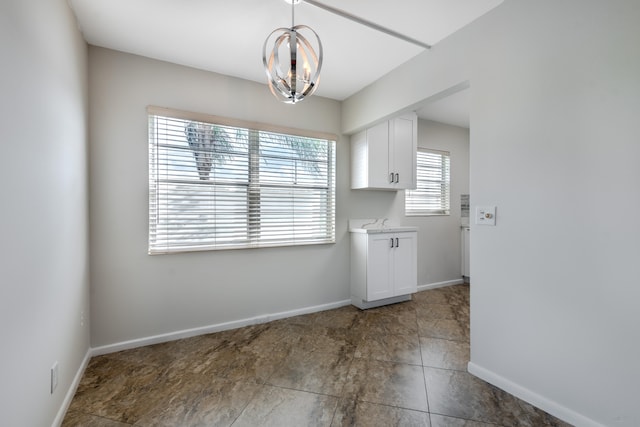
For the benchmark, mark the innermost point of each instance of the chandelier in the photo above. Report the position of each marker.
(292, 65)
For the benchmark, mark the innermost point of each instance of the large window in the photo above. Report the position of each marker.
(432, 194)
(223, 184)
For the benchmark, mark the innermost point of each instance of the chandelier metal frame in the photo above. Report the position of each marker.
(292, 84)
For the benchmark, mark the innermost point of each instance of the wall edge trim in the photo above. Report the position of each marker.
(552, 407)
(57, 421)
(437, 285)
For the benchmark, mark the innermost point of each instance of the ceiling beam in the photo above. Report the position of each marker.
(366, 23)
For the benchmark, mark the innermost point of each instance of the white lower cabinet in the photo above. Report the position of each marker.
(383, 267)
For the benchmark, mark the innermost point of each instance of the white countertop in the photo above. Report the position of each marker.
(396, 229)
(369, 226)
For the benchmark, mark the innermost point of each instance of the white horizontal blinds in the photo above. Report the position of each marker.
(221, 187)
(295, 198)
(198, 185)
(432, 193)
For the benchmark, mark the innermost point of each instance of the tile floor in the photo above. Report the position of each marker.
(399, 365)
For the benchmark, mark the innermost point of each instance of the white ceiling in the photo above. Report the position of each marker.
(227, 36)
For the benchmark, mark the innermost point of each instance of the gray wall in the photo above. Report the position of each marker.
(439, 237)
(137, 298)
(554, 144)
(44, 287)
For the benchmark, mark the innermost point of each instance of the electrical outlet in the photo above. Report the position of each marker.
(54, 377)
(82, 318)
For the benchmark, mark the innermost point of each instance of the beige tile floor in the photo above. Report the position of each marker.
(399, 365)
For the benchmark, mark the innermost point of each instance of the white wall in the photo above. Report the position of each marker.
(439, 240)
(141, 298)
(44, 285)
(554, 144)
(439, 237)
(136, 296)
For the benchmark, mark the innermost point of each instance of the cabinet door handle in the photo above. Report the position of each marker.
(391, 177)
(397, 178)
(392, 242)
(397, 242)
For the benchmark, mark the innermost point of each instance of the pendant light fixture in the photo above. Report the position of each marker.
(292, 65)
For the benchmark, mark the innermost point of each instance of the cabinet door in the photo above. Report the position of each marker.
(378, 146)
(405, 268)
(402, 155)
(379, 271)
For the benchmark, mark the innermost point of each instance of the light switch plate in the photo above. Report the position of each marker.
(486, 215)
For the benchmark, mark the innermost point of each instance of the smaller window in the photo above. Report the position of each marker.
(432, 193)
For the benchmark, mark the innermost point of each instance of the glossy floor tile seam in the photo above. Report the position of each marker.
(422, 357)
(217, 404)
(467, 420)
(386, 405)
(388, 383)
(271, 382)
(430, 414)
(460, 422)
(340, 401)
(101, 419)
(403, 364)
(244, 408)
(426, 392)
(279, 406)
(337, 396)
(393, 358)
(443, 353)
(448, 329)
(426, 386)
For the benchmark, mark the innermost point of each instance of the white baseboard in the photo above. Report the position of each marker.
(535, 399)
(436, 285)
(72, 390)
(188, 333)
(126, 345)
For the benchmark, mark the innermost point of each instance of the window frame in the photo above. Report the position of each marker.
(418, 196)
(253, 210)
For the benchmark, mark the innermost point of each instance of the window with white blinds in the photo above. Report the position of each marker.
(432, 194)
(219, 186)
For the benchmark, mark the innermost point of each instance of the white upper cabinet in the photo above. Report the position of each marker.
(383, 157)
